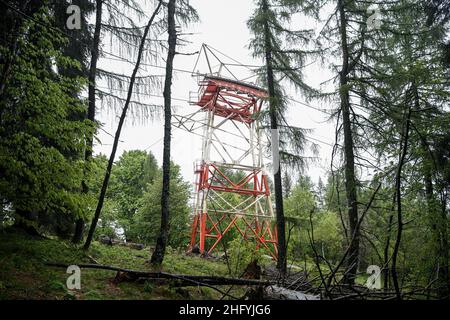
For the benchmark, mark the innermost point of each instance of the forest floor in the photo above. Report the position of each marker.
(24, 275)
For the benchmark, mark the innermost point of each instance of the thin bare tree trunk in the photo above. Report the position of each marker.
(386, 253)
(160, 248)
(119, 129)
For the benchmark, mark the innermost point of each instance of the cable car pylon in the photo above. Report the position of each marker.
(231, 188)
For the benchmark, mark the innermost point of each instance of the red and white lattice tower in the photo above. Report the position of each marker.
(223, 202)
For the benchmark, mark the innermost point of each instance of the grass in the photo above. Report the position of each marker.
(24, 275)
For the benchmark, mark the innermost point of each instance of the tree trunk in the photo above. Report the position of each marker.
(443, 254)
(437, 218)
(26, 220)
(404, 150)
(350, 180)
(438, 225)
(160, 249)
(79, 229)
(386, 253)
(117, 135)
(79, 226)
(281, 226)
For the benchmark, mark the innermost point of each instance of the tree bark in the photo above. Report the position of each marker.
(118, 131)
(281, 226)
(386, 253)
(350, 180)
(161, 242)
(404, 150)
(79, 225)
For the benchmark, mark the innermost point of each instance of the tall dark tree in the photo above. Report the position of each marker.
(272, 41)
(342, 38)
(177, 11)
(349, 158)
(161, 242)
(392, 68)
(79, 226)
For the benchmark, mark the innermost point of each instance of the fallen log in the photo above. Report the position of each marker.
(180, 279)
(111, 242)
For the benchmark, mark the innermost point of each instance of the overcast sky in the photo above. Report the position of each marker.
(222, 26)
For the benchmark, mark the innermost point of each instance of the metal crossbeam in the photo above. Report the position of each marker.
(231, 109)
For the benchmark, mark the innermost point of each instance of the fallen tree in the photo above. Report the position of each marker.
(180, 279)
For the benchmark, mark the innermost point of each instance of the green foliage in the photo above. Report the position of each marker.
(24, 274)
(297, 208)
(240, 253)
(132, 174)
(148, 287)
(39, 140)
(285, 50)
(328, 235)
(146, 223)
(303, 214)
(132, 203)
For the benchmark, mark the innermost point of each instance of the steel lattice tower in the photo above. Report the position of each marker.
(221, 201)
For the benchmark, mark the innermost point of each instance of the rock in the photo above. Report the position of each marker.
(106, 240)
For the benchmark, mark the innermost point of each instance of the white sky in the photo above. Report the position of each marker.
(222, 26)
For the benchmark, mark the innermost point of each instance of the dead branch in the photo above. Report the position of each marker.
(182, 279)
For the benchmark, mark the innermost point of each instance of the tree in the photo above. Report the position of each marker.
(185, 13)
(39, 172)
(392, 69)
(119, 129)
(343, 39)
(272, 41)
(158, 253)
(110, 222)
(298, 205)
(90, 115)
(15, 13)
(401, 69)
(78, 48)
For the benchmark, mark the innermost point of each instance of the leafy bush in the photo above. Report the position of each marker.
(240, 253)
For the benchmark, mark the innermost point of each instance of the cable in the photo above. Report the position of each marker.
(318, 140)
(143, 94)
(310, 106)
(154, 143)
(239, 63)
(121, 59)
